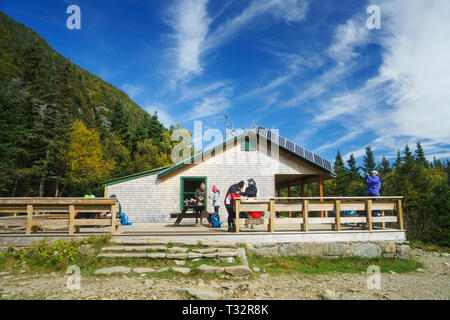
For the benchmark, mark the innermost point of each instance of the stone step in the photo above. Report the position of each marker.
(134, 248)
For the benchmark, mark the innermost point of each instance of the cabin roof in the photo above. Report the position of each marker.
(284, 144)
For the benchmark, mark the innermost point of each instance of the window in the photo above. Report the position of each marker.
(188, 185)
(248, 144)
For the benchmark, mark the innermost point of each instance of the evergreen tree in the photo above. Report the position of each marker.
(385, 166)
(120, 125)
(408, 156)
(353, 169)
(369, 160)
(420, 155)
(398, 160)
(338, 161)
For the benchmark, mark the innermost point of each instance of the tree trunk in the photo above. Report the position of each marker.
(13, 194)
(62, 190)
(57, 188)
(41, 187)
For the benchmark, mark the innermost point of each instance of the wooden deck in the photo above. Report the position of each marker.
(55, 213)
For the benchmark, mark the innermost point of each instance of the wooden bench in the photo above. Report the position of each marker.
(59, 213)
(184, 214)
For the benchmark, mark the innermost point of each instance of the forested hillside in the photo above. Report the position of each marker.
(64, 130)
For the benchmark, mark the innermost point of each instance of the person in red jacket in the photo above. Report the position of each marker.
(233, 192)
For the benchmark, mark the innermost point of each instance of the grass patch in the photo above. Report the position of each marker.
(319, 265)
(429, 247)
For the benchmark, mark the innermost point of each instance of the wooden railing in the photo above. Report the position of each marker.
(56, 212)
(305, 205)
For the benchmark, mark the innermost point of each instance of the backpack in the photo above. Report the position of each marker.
(215, 220)
(124, 220)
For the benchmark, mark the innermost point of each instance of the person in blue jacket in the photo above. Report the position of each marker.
(373, 182)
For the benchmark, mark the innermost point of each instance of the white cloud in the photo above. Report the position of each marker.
(347, 37)
(189, 19)
(132, 90)
(408, 99)
(210, 106)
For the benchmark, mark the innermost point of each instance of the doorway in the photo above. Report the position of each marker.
(188, 185)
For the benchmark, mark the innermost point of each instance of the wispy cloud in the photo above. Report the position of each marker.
(133, 91)
(189, 19)
(286, 10)
(210, 105)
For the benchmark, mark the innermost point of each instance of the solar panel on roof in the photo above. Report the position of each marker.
(283, 142)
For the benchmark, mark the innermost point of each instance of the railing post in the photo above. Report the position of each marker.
(369, 213)
(271, 208)
(29, 218)
(383, 224)
(305, 205)
(71, 218)
(114, 209)
(337, 209)
(400, 214)
(237, 210)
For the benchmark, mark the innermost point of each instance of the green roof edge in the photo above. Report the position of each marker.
(134, 176)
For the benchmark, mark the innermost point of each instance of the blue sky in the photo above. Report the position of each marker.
(311, 69)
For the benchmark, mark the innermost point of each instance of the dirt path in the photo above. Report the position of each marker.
(431, 283)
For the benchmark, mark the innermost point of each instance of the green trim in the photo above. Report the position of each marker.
(134, 176)
(205, 178)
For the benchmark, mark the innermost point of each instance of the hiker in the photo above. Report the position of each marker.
(86, 215)
(214, 219)
(373, 182)
(251, 191)
(124, 220)
(233, 192)
(200, 197)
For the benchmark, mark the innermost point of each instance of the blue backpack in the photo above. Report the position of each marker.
(215, 221)
(124, 220)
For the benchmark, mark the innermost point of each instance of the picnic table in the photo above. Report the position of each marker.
(185, 214)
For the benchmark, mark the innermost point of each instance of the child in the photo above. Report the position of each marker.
(215, 217)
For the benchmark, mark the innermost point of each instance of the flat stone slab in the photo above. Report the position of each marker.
(156, 255)
(181, 270)
(210, 269)
(177, 250)
(194, 255)
(138, 241)
(122, 255)
(207, 250)
(134, 248)
(178, 256)
(202, 294)
(209, 255)
(227, 254)
(238, 271)
(185, 242)
(112, 270)
(222, 244)
(143, 270)
(129, 241)
(163, 269)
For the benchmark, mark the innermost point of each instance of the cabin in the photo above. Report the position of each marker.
(273, 161)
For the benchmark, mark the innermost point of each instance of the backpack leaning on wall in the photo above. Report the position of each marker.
(215, 221)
